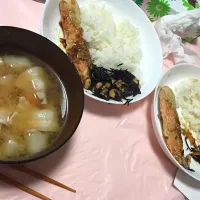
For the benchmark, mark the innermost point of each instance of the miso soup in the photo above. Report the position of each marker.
(30, 106)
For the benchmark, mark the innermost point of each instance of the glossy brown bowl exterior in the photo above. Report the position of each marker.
(40, 47)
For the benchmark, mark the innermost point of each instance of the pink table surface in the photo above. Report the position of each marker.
(113, 155)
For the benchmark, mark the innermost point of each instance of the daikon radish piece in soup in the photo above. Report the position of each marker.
(33, 80)
(12, 146)
(36, 141)
(17, 62)
(44, 120)
(36, 118)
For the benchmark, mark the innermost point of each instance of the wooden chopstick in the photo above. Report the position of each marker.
(22, 187)
(42, 177)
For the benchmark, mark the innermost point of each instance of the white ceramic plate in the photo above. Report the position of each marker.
(151, 64)
(171, 78)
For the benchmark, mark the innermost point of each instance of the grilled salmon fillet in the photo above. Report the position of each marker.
(170, 123)
(76, 47)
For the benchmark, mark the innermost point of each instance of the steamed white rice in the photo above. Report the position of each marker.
(111, 42)
(188, 103)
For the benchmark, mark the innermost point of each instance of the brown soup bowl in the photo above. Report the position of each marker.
(17, 39)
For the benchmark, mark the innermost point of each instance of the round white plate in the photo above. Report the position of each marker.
(151, 64)
(171, 78)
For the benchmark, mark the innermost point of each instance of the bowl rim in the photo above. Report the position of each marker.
(82, 100)
(154, 109)
(86, 91)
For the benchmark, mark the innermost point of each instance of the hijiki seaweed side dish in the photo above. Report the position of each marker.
(101, 74)
(113, 84)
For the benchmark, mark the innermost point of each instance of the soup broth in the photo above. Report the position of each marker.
(30, 106)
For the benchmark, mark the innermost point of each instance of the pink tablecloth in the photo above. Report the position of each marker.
(113, 155)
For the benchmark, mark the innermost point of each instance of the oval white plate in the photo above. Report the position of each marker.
(171, 78)
(151, 64)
